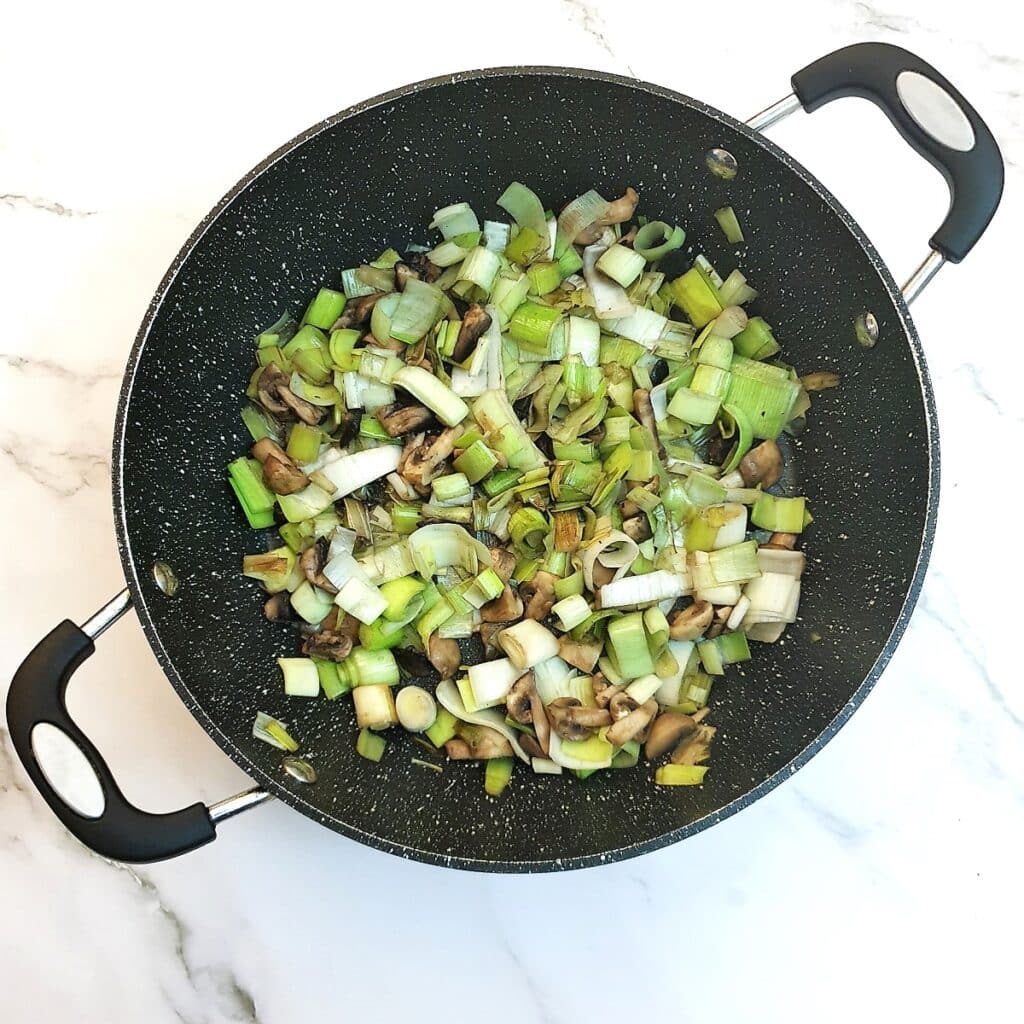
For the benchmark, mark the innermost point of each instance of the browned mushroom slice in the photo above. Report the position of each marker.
(270, 381)
(306, 411)
(819, 381)
(574, 721)
(266, 447)
(484, 743)
(604, 695)
(277, 607)
(645, 413)
(541, 724)
(582, 654)
(422, 458)
(458, 750)
(666, 731)
(633, 725)
(503, 562)
(488, 632)
(691, 622)
(399, 420)
(357, 311)
(782, 541)
(621, 209)
(331, 620)
(506, 607)
(539, 595)
(531, 745)
(349, 625)
(621, 705)
(695, 748)
(637, 528)
(518, 700)
(283, 476)
(762, 465)
(311, 562)
(444, 656)
(331, 645)
(403, 274)
(602, 574)
(422, 266)
(475, 321)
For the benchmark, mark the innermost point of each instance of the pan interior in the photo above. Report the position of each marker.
(373, 178)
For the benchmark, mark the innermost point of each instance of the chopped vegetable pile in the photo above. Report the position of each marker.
(532, 435)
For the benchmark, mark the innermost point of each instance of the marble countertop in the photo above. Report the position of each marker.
(879, 880)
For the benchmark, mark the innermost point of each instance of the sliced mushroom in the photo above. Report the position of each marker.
(645, 413)
(311, 562)
(412, 663)
(582, 654)
(503, 562)
(484, 743)
(518, 700)
(278, 607)
(266, 447)
(637, 528)
(422, 458)
(422, 266)
(444, 655)
(348, 625)
(762, 465)
(283, 476)
(666, 731)
(488, 632)
(695, 748)
(399, 420)
(621, 705)
(541, 724)
(457, 750)
(604, 696)
(621, 209)
(602, 574)
(331, 619)
(357, 311)
(531, 745)
(691, 622)
(819, 381)
(632, 725)
(330, 645)
(506, 607)
(630, 508)
(475, 321)
(783, 541)
(403, 274)
(573, 721)
(539, 595)
(305, 411)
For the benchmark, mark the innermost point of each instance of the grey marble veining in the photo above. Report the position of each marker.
(896, 850)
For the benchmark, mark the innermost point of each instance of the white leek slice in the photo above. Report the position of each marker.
(668, 692)
(553, 678)
(350, 472)
(567, 753)
(570, 612)
(650, 588)
(415, 708)
(643, 326)
(496, 235)
(385, 564)
(457, 219)
(610, 300)
(439, 546)
(449, 698)
(727, 594)
(772, 596)
(527, 643)
(490, 681)
(614, 550)
(644, 688)
(361, 599)
(447, 254)
(734, 530)
(364, 393)
(545, 766)
(736, 615)
(524, 206)
(789, 563)
(343, 541)
(583, 339)
(433, 393)
(494, 414)
(583, 212)
(301, 678)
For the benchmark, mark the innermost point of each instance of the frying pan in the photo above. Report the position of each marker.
(371, 177)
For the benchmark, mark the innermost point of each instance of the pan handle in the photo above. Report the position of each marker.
(85, 797)
(931, 115)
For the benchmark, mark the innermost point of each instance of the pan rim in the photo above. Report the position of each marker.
(294, 798)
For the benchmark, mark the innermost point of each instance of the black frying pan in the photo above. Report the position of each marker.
(371, 177)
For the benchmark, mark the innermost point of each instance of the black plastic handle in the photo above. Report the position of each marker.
(122, 832)
(975, 174)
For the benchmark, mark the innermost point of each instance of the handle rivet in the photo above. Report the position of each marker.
(165, 578)
(866, 329)
(722, 164)
(298, 769)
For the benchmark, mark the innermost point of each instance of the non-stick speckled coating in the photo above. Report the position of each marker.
(371, 178)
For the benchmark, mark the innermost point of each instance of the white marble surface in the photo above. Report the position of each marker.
(882, 882)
